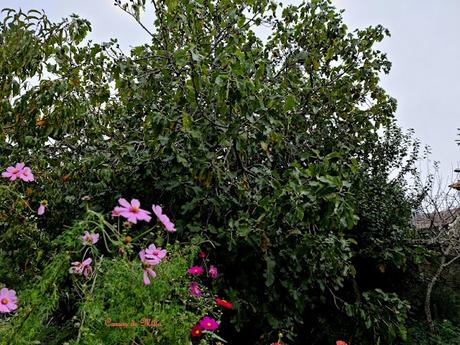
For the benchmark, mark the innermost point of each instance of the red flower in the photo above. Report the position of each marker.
(202, 255)
(223, 303)
(340, 342)
(196, 331)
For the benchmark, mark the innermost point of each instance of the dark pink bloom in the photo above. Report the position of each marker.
(131, 211)
(89, 239)
(8, 300)
(13, 172)
(195, 270)
(213, 272)
(82, 267)
(41, 208)
(164, 219)
(201, 255)
(194, 289)
(340, 342)
(209, 323)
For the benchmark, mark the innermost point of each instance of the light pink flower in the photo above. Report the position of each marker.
(89, 239)
(82, 267)
(194, 289)
(41, 208)
(13, 172)
(164, 219)
(26, 175)
(150, 257)
(209, 323)
(8, 300)
(116, 212)
(148, 271)
(131, 211)
(195, 270)
(153, 255)
(213, 272)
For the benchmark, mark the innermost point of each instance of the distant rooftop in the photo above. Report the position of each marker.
(435, 219)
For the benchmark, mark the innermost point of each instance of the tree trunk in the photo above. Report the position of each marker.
(429, 291)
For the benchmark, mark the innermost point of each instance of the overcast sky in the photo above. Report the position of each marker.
(424, 49)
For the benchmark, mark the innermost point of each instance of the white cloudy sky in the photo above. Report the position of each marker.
(424, 49)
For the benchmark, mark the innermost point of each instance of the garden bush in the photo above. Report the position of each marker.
(273, 157)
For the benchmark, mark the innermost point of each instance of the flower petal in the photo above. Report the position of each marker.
(135, 203)
(146, 278)
(123, 202)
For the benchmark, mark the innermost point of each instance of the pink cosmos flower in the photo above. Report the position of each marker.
(82, 267)
(131, 211)
(8, 300)
(153, 255)
(213, 272)
(13, 172)
(164, 219)
(195, 270)
(26, 175)
(148, 272)
(194, 289)
(41, 208)
(116, 212)
(150, 257)
(89, 239)
(209, 323)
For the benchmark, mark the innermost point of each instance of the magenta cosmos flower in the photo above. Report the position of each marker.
(209, 323)
(8, 300)
(164, 219)
(213, 272)
(18, 171)
(194, 289)
(195, 270)
(82, 267)
(89, 239)
(131, 211)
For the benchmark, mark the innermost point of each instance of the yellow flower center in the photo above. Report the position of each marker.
(4, 301)
(134, 209)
